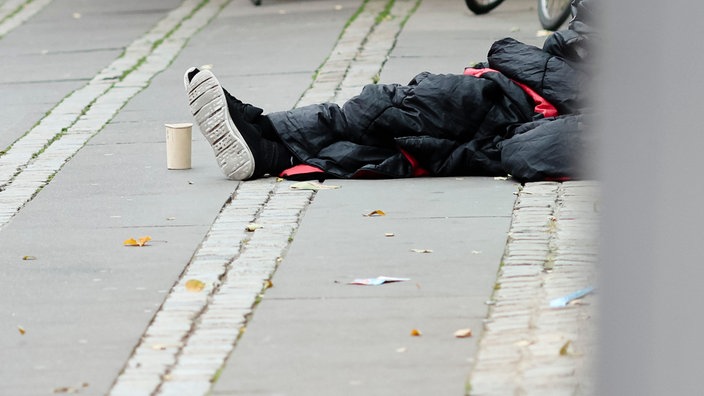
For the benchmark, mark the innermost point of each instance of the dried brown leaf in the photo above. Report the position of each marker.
(377, 212)
(565, 348)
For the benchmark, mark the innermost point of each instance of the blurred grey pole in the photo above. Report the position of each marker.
(652, 286)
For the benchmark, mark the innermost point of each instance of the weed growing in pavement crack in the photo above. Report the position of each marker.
(385, 13)
(13, 13)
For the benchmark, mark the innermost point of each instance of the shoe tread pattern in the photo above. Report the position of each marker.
(209, 107)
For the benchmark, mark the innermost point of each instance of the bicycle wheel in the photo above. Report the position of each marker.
(482, 6)
(553, 13)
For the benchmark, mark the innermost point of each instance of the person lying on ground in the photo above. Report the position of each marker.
(520, 113)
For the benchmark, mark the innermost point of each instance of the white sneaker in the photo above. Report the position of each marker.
(209, 107)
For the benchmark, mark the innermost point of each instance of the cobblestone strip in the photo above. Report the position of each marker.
(199, 328)
(331, 73)
(361, 51)
(369, 61)
(218, 328)
(529, 348)
(32, 160)
(13, 13)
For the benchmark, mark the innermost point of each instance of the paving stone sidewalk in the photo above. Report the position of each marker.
(227, 280)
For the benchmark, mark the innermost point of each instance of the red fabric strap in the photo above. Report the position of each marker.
(301, 169)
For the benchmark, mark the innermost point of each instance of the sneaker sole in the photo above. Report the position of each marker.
(206, 99)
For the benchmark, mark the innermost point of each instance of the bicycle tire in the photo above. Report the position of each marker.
(553, 13)
(480, 7)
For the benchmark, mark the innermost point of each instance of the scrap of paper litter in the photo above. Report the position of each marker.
(379, 280)
(563, 301)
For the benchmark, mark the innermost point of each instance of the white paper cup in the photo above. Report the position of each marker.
(178, 146)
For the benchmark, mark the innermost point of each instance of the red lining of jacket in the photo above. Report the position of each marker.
(416, 169)
(542, 106)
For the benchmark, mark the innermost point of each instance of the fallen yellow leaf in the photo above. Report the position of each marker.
(21, 330)
(29, 258)
(416, 333)
(194, 285)
(375, 213)
(463, 333)
(268, 284)
(139, 242)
